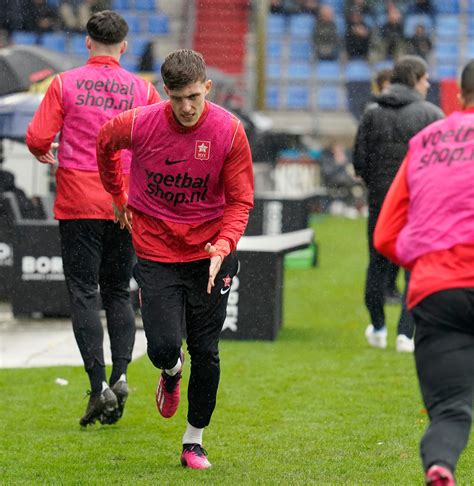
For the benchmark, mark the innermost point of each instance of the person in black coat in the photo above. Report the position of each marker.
(380, 147)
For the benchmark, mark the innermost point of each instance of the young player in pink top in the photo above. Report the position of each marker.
(427, 225)
(190, 194)
(95, 251)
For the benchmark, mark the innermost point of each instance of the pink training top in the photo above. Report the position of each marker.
(440, 177)
(92, 95)
(176, 176)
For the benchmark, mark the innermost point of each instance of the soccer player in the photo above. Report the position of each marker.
(190, 195)
(427, 225)
(95, 251)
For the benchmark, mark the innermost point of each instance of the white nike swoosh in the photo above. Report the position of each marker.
(224, 291)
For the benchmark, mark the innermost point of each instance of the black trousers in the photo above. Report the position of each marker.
(173, 294)
(98, 253)
(376, 281)
(444, 353)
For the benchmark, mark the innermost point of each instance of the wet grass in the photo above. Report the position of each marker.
(317, 406)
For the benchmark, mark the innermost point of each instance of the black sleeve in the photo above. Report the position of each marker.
(361, 149)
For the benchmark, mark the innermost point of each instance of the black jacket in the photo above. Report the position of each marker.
(382, 138)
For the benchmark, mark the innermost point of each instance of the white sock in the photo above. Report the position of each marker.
(175, 368)
(104, 386)
(193, 435)
(123, 377)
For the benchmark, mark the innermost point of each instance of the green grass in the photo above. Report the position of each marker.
(317, 406)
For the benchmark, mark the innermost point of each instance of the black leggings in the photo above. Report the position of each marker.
(173, 294)
(98, 253)
(444, 353)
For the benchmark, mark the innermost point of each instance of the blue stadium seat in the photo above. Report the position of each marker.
(446, 71)
(120, 4)
(147, 5)
(274, 49)
(413, 20)
(158, 24)
(54, 41)
(78, 46)
(447, 25)
(379, 66)
(340, 22)
(137, 45)
(328, 71)
(470, 6)
(129, 64)
(328, 97)
(447, 6)
(337, 5)
(358, 71)
(272, 98)
(469, 53)
(276, 24)
(302, 25)
(301, 51)
(299, 71)
(470, 27)
(20, 37)
(273, 71)
(298, 97)
(447, 52)
(133, 21)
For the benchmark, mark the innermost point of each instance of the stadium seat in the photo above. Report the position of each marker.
(54, 41)
(470, 6)
(158, 24)
(328, 71)
(147, 5)
(446, 71)
(298, 97)
(299, 71)
(272, 98)
(328, 97)
(273, 71)
(447, 52)
(301, 51)
(276, 24)
(358, 71)
(469, 53)
(274, 49)
(137, 45)
(20, 37)
(133, 22)
(340, 22)
(447, 26)
(129, 64)
(470, 27)
(302, 25)
(379, 66)
(120, 5)
(447, 6)
(413, 20)
(78, 46)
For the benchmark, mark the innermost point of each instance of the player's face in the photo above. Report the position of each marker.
(188, 102)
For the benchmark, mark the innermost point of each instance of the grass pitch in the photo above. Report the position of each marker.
(317, 406)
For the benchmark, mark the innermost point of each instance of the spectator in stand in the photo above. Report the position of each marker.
(420, 44)
(75, 13)
(422, 7)
(361, 6)
(11, 18)
(392, 32)
(308, 7)
(39, 16)
(357, 37)
(284, 7)
(325, 36)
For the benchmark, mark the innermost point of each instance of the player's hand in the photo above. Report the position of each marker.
(123, 217)
(214, 266)
(48, 157)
